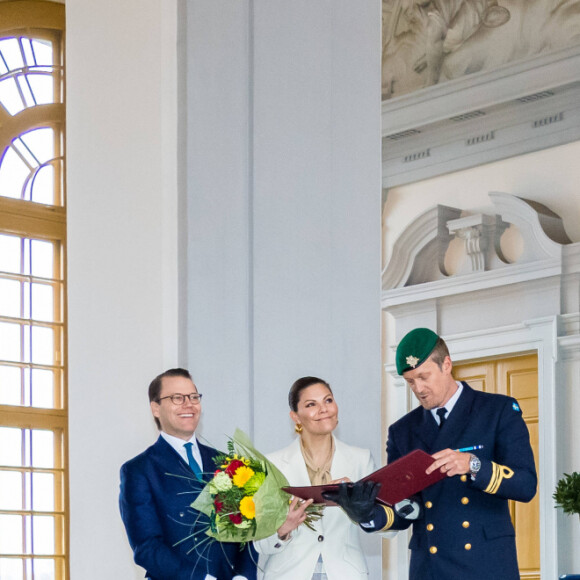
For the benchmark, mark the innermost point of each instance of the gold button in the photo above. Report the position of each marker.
(430, 527)
(464, 500)
(433, 549)
(464, 477)
(428, 505)
(468, 546)
(465, 524)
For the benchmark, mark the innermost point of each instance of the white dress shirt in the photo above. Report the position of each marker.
(178, 445)
(449, 405)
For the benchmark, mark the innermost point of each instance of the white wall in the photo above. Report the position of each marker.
(283, 205)
(280, 276)
(283, 181)
(315, 199)
(122, 259)
(218, 213)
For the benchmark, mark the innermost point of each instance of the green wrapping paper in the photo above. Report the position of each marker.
(271, 503)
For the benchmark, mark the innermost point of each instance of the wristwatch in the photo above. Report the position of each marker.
(474, 466)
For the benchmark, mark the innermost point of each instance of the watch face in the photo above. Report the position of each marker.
(474, 464)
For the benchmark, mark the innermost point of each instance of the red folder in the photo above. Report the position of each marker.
(399, 480)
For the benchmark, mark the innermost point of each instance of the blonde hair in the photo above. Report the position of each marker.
(439, 352)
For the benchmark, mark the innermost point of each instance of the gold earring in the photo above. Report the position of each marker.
(298, 428)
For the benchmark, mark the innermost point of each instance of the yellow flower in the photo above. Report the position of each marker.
(242, 476)
(248, 508)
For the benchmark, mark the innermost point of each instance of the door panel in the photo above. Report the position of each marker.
(516, 377)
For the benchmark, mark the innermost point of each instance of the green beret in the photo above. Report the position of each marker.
(415, 348)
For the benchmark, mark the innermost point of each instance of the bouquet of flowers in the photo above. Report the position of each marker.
(244, 500)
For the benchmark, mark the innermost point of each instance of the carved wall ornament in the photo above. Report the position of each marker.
(419, 254)
(482, 234)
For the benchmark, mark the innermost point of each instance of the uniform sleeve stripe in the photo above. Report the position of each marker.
(390, 517)
(499, 473)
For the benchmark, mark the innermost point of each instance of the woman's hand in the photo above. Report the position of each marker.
(296, 516)
(341, 480)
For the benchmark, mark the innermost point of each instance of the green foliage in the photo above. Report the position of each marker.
(567, 494)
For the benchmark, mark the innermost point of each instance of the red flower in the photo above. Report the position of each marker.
(233, 467)
(235, 518)
(219, 505)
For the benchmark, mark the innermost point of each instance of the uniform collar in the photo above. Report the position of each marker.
(450, 404)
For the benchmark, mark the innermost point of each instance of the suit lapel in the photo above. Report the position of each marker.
(295, 464)
(168, 462)
(171, 462)
(340, 463)
(164, 454)
(426, 430)
(458, 420)
(446, 438)
(207, 455)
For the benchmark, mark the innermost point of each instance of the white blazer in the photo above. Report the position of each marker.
(336, 537)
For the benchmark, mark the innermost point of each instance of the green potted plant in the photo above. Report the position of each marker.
(567, 494)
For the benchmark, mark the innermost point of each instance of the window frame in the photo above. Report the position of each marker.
(38, 19)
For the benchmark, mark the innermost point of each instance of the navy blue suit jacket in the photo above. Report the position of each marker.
(167, 536)
(465, 530)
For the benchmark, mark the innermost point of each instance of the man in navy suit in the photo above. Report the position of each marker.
(461, 525)
(157, 487)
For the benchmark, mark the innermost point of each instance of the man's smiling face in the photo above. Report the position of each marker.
(177, 420)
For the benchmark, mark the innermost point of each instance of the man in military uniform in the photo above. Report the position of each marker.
(461, 525)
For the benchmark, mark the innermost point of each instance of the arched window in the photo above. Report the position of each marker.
(33, 410)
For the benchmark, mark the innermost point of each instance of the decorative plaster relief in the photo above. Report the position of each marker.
(481, 234)
(427, 236)
(419, 253)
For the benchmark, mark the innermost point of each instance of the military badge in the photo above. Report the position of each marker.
(412, 361)
(516, 407)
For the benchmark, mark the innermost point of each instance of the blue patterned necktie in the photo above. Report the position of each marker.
(441, 412)
(192, 462)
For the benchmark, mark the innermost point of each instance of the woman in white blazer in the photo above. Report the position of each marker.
(333, 550)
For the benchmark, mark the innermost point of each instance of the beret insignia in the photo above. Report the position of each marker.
(412, 361)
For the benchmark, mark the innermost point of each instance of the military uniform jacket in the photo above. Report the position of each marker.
(465, 531)
(167, 535)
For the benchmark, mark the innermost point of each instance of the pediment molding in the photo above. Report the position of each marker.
(416, 270)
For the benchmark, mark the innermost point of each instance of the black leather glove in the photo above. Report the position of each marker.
(356, 499)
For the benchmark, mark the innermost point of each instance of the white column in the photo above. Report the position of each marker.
(122, 258)
(283, 193)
